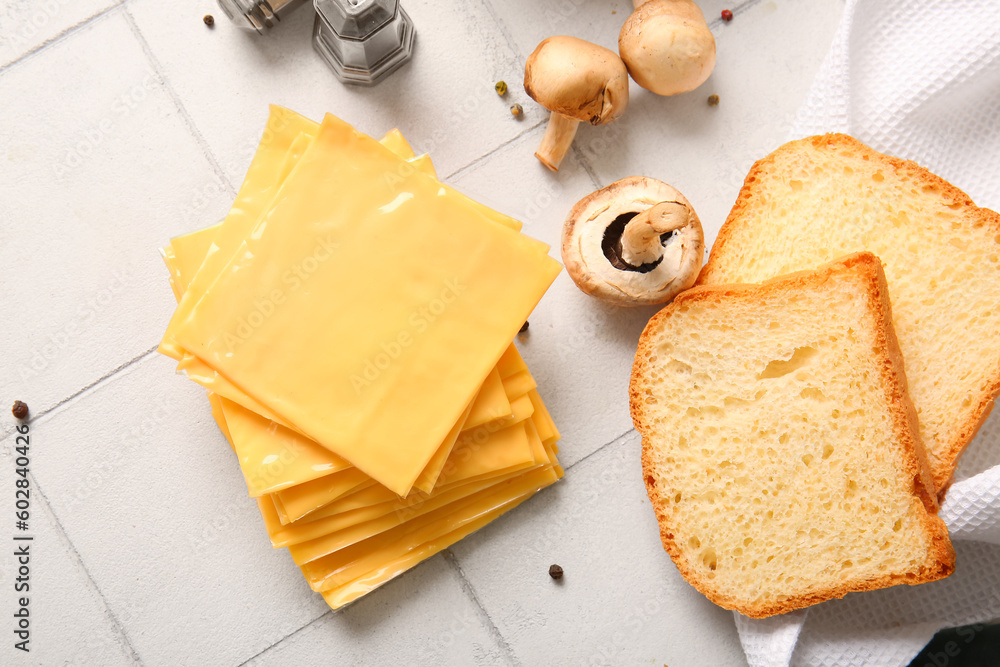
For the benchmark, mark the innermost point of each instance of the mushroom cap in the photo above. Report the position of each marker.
(593, 228)
(667, 46)
(577, 79)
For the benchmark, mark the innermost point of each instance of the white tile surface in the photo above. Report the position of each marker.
(621, 600)
(155, 504)
(59, 587)
(99, 170)
(423, 618)
(443, 99)
(110, 133)
(26, 25)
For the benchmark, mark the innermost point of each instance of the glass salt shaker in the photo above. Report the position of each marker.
(362, 40)
(257, 15)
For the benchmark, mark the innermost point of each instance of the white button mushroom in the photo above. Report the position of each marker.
(636, 242)
(577, 81)
(667, 46)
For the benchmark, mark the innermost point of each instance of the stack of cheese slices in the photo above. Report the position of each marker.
(352, 319)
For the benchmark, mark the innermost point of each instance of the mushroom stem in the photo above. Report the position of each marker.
(641, 236)
(558, 138)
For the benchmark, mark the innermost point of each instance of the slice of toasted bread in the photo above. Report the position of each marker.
(823, 197)
(780, 446)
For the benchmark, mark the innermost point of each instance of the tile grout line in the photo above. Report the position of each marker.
(587, 167)
(34, 51)
(181, 109)
(95, 383)
(470, 592)
(123, 640)
(614, 441)
(508, 37)
(494, 150)
(464, 584)
(288, 636)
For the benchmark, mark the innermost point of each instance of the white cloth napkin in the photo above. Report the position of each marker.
(918, 80)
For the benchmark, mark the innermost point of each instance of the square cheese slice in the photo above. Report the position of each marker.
(400, 282)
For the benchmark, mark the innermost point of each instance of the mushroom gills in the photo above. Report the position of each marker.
(611, 244)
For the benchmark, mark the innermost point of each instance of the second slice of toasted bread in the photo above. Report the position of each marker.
(817, 199)
(780, 446)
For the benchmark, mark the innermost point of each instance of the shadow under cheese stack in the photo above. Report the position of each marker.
(352, 320)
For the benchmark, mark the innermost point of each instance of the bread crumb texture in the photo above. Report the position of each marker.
(817, 199)
(778, 450)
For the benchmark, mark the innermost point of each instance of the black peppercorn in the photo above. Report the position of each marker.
(20, 410)
(555, 572)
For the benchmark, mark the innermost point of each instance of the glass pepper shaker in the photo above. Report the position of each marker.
(257, 15)
(362, 40)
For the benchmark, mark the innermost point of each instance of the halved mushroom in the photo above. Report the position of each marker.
(667, 46)
(636, 242)
(575, 80)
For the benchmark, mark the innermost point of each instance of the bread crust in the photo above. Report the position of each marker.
(964, 431)
(940, 560)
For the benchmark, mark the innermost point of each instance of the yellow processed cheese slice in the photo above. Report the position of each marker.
(494, 451)
(496, 409)
(389, 568)
(547, 430)
(414, 505)
(397, 143)
(370, 495)
(428, 478)
(519, 384)
(283, 535)
(327, 538)
(383, 564)
(273, 457)
(192, 249)
(511, 363)
(295, 151)
(258, 189)
(227, 235)
(346, 564)
(355, 270)
(298, 501)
